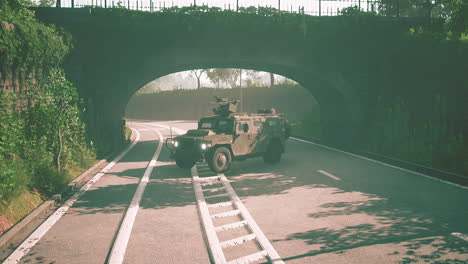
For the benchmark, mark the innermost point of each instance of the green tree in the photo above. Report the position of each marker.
(64, 116)
(198, 73)
(224, 75)
(47, 3)
(457, 20)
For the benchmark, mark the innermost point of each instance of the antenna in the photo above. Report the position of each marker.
(170, 128)
(240, 84)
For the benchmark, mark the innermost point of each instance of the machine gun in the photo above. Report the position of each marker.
(225, 106)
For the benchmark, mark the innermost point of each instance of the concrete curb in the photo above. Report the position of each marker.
(16, 234)
(80, 180)
(20, 230)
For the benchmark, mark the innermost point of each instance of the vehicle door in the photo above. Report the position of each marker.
(261, 135)
(243, 140)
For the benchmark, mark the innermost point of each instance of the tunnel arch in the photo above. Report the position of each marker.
(339, 103)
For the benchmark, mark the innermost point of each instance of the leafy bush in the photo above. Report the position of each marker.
(428, 141)
(356, 11)
(47, 136)
(26, 45)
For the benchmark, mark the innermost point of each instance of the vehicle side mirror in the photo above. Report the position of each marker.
(246, 128)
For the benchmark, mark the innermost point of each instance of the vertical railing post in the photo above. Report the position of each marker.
(73, 3)
(320, 7)
(105, 3)
(237, 5)
(359, 5)
(279, 5)
(194, 2)
(398, 8)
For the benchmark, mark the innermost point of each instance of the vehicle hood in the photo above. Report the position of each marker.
(197, 134)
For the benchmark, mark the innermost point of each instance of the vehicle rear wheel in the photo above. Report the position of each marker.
(219, 160)
(273, 153)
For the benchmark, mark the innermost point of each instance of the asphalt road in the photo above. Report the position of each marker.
(317, 206)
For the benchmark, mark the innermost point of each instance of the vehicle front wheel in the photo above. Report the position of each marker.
(273, 153)
(185, 163)
(219, 160)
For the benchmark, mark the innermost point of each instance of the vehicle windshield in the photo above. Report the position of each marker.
(217, 125)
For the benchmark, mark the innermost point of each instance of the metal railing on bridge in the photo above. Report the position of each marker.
(309, 7)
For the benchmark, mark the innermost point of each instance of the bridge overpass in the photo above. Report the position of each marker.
(345, 62)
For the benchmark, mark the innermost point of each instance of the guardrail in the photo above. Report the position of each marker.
(309, 7)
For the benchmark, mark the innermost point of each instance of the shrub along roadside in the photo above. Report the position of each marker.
(43, 143)
(427, 138)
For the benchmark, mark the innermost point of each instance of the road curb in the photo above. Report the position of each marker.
(16, 234)
(81, 179)
(20, 230)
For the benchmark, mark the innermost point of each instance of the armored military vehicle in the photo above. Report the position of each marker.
(229, 136)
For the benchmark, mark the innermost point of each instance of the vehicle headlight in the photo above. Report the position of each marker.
(205, 146)
(176, 144)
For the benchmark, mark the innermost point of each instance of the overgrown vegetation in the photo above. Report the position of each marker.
(452, 14)
(28, 49)
(42, 133)
(426, 138)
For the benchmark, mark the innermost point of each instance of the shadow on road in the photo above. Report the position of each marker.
(168, 186)
(421, 234)
(398, 217)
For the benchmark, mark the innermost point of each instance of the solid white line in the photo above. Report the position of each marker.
(329, 175)
(461, 236)
(120, 244)
(174, 129)
(29, 243)
(213, 241)
(382, 163)
(261, 238)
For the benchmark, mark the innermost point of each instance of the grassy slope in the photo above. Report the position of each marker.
(26, 201)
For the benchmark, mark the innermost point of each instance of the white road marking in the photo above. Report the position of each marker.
(213, 241)
(174, 129)
(329, 175)
(461, 236)
(120, 244)
(382, 163)
(31, 241)
(214, 244)
(262, 239)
